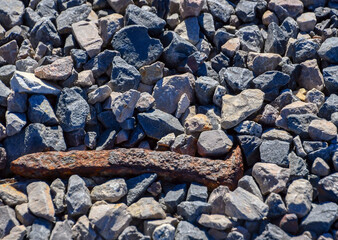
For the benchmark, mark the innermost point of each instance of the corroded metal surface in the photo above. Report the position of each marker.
(125, 162)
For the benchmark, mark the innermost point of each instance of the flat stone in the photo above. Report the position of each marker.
(239, 201)
(221, 143)
(262, 62)
(41, 229)
(310, 76)
(40, 201)
(71, 15)
(123, 76)
(237, 108)
(251, 38)
(164, 232)
(146, 208)
(24, 215)
(137, 186)
(61, 230)
(41, 111)
(270, 177)
(99, 95)
(77, 197)
(9, 51)
(221, 10)
(215, 221)
(109, 219)
(286, 8)
(127, 40)
(328, 50)
(83, 229)
(327, 188)
(238, 79)
(87, 35)
(11, 196)
(186, 230)
(322, 130)
(15, 122)
(189, 30)
(27, 83)
(11, 13)
(58, 192)
(307, 21)
(71, 110)
(110, 191)
(197, 192)
(191, 210)
(275, 151)
(299, 197)
(276, 205)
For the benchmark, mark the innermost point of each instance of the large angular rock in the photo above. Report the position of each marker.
(71, 110)
(137, 186)
(237, 108)
(17, 233)
(146, 208)
(59, 70)
(286, 8)
(7, 221)
(186, 230)
(119, 6)
(276, 40)
(40, 201)
(124, 105)
(101, 62)
(303, 49)
(110, 191)
(108, 26)
(327, 188)
(109, 219)
(15, 122)
(41, 229)
(87, 35)
(275, 151)
(251, 38)
(248, 183)
(77, 197)
(154, 120)
(11, 196)
(238, 79)
(174, 196)
(330, 75)
(138, 16)
(189, 30)
(40, 110)
(191, 210)
(9, 51)
(61, 230)
(221, 10)
(71, 15)
(310, 76)
(214, 143)
(11, 13)
(23, 82)
(191, 8)
(328, 50)
(250, 147)
(83, 229)
(24, 215)
(57, 189)
(136, 47)
(322, 130)
(262, 62)
(44, 31)
(238, 202)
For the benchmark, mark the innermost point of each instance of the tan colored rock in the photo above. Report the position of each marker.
(108, 26)
(286, 8)
(301, 94)
(87, 35)
(119, 6)
(269, 17)
(197, 123)
(191, 8)
(9, 51)
(215, 221)
(307, 21)
(310, 76)
(59, 70)
(150, 74)
(150, 225)
(85, 79)
(17, 233)
(231, 47)
(262, 62)
(11, 196)
(322, 130)
(146, 208)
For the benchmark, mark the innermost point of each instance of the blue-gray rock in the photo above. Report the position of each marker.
(71, 15)
(304, 49)
(191, 210)
(11, 13)
(83, 229)
(270, 82)
(290, 27)
(136, 47)
(108, 120)
(40, 230)
(320, 219)
(4, 93)
(57, 190)
(79, 57)
(330, 75)
(251, 38)
(26, 65)
(131, 233)
(174, 197)
(61, 231)
(101, 62)
(220, 9)
(328, 188)
(238, 79)
(207, 25)
(124, 105)
(106, 140)
(78, 197)
(297, 166)
(330, 106)
(238, 201)
(99, 95)
(328, 50)
(221, 36)
(123, 76)
(250, 147)
(71, 110)
(44, 31)
(138, 16)
(276, 205)
(220, 61)
(248, 183)
(275, 151)
(197, 192)
(272, 232)
(64, 4)
(176, 49)
(75, 138)
(214, 143)
(15, 122)
(90, 140)
(7, 221)
(299, 123)
(249, 128)
(6, 73)
(246, 10)
(40, 110)
(137, 186)
(47, 8)
(156, 119)
(276, 40)
(136, 136)
(186, 230)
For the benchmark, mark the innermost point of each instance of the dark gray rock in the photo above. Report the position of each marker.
(205, 88)
(108, 120)
(214, 143)
(137, 186)
(77, 197)
(90, 140)
(6, 73)
(246, 10)
(320, 219)
(136, 136)
(75, 138)
(40, 230)
(251, 38)
(275, 151)
(238, 79)
(303, 49)
(290, 27)
(47, 9)
(330, 75)
(136, 47)
(221, 10)
(248, 183)
(7, 221)
(4, 93)
(330, 106)
(64, 4)
(207, 25)
(131, 233)
(44, 31)
(190, 211)
(15, 122)
(71, 110)
(270, 82)
(220, 61)
(57, 190)
(272, 232)
(83, 229)
(328, 188)
(101, 62)
(250, 147)
(138, 16)
(106, 140)
(61, 231)
(249, 128)
(298, 166)
(221, 37)
(154, 120)
(276, 205)
(276, 40)
(328, 50)
(26, 65)
(174, 197)
(123, 76)
(197, 192)
(186, 230)
(71, 15)
(299, 123)
(40, 110)
(11, 13)
(79, 57)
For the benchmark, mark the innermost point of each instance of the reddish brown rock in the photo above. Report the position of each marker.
(59, 70)
(122, 162)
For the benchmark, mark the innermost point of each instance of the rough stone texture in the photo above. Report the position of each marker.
(215, 221)
(110, 191)
(61, 230)
(9, 51)
(322, 130)
(11, 13)
(189, 30)
(146, 208)
(276, 205)
(83, 229)
(251, 38)
(262, 62)
(71, 15)
(119, 5)
(137, 186)
(11, 196)
(190, 210)
(221, 10)
(238, 79)
(286, 8)
(124, 105)
(17, 233)
(328, 188)
(328, 50)
(186, 230)
(123, 161)
(270, 177)
(275, 151)
(109, 25)
(164, 232)
(249, 184)
(57, 190)
(214, 143)
(307, 21)
(8, 220)
(310, 76)
(41, 111)
(237, 108)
